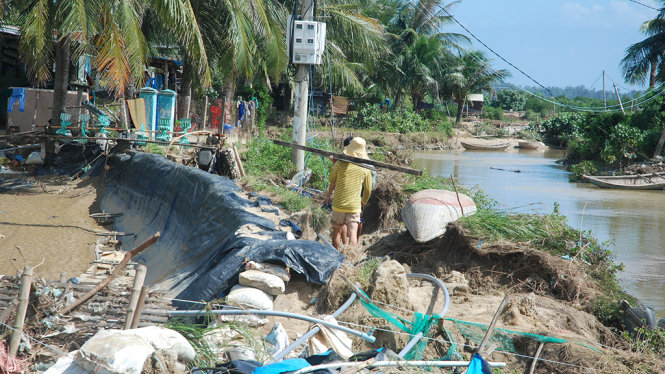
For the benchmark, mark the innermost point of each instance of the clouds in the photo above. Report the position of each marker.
(612, 14)
(579, 12)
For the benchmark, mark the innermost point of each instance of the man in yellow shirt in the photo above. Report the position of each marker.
(348, 180)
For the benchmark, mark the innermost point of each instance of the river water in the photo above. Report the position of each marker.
(631, 220)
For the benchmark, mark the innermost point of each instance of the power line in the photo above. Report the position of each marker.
(644, 5)
(556, 100)
(496, 53)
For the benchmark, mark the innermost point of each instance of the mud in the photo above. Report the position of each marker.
(49, 217)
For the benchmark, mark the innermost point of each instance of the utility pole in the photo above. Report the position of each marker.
(617, 92)
(301, 99)
(604, 98)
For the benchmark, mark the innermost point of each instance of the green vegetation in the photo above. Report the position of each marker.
(609, 139)
(372, 117)
(587, 167)
(511, 100)
(205, 350)
(646, 341)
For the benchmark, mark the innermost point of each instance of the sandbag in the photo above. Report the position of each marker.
(109, 352)
(249, 296)
(269, 283)
(34, 158)
(163, 339)
(273, 269)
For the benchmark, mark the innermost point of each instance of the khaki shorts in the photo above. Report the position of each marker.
(339, 218)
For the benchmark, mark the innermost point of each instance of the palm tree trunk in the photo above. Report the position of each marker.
(659, 147)
(652, 74)
(61, 81)
(228, 92)
(460, 108)
(59, 91)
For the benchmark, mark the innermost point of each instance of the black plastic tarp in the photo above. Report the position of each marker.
(199, 254)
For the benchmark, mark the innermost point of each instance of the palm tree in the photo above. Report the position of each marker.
(645, 58)
(108, 30)
(469, 73)
(419, 47)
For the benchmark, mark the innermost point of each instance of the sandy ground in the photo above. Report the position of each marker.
(48, 218)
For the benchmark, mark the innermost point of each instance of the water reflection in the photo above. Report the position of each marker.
(631, 220)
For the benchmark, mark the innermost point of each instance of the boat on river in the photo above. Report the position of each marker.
(428, 212)
(484, 146)
(652, 181)
(526, 144)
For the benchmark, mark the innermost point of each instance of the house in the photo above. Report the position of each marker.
(12, 71)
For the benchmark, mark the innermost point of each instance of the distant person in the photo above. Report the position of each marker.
(349, 181)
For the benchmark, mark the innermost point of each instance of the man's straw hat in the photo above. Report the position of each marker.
(356, 148)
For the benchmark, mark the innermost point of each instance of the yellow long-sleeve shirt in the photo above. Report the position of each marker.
(349, 180)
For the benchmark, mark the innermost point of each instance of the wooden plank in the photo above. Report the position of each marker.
(355, 160)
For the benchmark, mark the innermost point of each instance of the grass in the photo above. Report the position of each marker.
(205, 353)
(155, 148)
(365, 271)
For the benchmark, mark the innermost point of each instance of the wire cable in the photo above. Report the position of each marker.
(644, 5)
(556, 101)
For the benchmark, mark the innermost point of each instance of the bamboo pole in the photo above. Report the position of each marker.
(241, 169)
(347, 158)
(139, 278)
(139, 307)
(23, 300)
(128, 256)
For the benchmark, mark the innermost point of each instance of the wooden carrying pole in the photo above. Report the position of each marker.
(139, 278)
(23, 300)
(356, 160)
(125, 260)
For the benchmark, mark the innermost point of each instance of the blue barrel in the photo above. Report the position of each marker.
(166, 106)
(149, 95)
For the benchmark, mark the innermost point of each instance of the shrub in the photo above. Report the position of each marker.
(511, 100)
(587, 167)
(265, 157)
(374, 118)
(492, 113)
(561, 128)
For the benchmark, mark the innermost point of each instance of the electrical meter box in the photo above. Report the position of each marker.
(306, 41)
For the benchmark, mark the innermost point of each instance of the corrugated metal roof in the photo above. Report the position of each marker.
(13, 30)
(475, 97)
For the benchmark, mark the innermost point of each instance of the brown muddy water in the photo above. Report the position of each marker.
(53, 224)
(631, 220)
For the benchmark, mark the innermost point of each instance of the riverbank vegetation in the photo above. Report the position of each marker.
(269, 165)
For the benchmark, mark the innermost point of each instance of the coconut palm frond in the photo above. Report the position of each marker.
(112, 61)
(178, 16)
(36, 44)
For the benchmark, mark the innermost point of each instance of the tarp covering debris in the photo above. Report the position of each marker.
(206, 230)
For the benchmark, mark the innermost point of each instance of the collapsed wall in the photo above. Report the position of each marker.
(206, 230)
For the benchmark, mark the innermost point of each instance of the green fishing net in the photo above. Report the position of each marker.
(419, 323)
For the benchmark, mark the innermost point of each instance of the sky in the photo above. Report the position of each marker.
(558, 43)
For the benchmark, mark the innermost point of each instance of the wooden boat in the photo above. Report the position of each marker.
(525, 144)
(653, 181)
(485, 146)
(428, 212)
(105, 218)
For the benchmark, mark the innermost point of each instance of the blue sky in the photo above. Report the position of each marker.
(558, 43)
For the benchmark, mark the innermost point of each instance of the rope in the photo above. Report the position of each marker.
(427, 338)
(472, 347)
